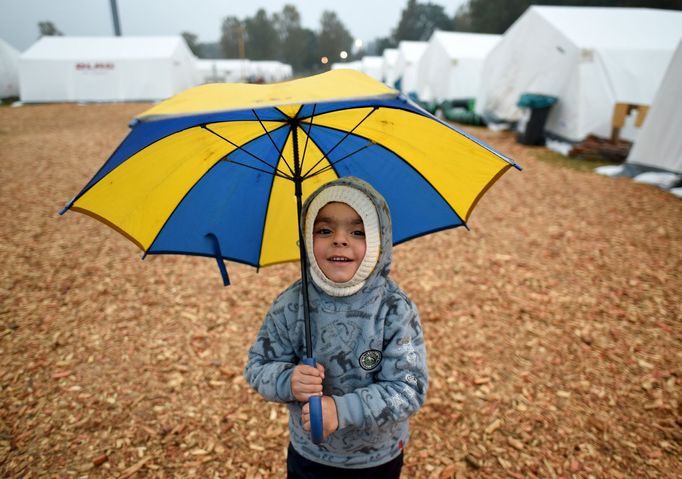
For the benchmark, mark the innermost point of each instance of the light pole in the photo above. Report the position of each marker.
(114, 15)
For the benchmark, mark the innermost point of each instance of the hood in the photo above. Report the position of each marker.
(383, 264)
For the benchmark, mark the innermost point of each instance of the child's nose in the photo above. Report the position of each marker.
(340, 239)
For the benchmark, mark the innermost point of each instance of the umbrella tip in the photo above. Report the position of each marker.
(66, 207)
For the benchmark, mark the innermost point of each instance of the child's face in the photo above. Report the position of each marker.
(338, 241)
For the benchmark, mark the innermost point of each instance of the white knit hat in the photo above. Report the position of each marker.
(365, 208)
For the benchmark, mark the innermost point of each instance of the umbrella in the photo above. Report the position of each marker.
(221, 170)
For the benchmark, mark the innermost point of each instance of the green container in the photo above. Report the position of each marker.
(429, 106)
(533, 131)
(460, 115)
(534, 100)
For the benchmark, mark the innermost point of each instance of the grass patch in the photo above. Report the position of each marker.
(583, 163)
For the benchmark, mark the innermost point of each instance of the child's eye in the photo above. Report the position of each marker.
(359, 233)
(323, 231)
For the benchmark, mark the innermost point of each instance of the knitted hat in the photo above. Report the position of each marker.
(365, 208)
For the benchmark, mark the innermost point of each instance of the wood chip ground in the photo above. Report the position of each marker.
(553, 329)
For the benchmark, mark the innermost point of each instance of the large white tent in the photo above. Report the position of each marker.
(406, 64)
(269, 71)
(9, 70)
(659, 143)
(450, 67)
(103, 69)
(222, 71)
(588, 57)
(388, 68)
(373, 66)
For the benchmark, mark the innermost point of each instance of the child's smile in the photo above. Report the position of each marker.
(338, 241)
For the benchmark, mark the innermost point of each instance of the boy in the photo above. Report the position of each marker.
(366, 336)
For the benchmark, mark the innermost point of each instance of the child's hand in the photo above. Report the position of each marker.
(330, 418)
(306, 381)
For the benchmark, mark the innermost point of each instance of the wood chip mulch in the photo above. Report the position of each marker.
(553, 329)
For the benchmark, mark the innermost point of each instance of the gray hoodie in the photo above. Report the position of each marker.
(372, 348)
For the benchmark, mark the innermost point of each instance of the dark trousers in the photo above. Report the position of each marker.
(298, 467)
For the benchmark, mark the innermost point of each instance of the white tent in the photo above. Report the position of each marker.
(659, 143)
(9, 70)
(286, 71)
(388, 71)
(409, 54)
(373, 66)
(269, 71)
(222, 71)
(588, 57)
(354, 65)
(450, 67)
(64, 69)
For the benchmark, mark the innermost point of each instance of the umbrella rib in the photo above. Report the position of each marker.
(271, 173)
(326, 155)
(274, 171)
(307, 136)
(273, 142)
(332, 164)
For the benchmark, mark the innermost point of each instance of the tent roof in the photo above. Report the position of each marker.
(390, 55)
(372, 62)
(465, 45)
(78, 48)
(615, 28)
(411, 51)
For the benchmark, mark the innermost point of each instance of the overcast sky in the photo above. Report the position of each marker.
(366, 19)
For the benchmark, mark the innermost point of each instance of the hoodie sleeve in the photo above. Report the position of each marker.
(271, 358)
(400, 387)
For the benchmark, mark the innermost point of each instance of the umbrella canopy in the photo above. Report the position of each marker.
(213, 171)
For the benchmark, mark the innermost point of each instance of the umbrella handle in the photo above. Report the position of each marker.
(315, 404)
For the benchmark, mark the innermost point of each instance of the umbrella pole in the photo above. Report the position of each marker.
(315, 402)
(298, 189)
(304, 272)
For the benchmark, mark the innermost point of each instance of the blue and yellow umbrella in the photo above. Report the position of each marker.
(221, 170)
(213, 171)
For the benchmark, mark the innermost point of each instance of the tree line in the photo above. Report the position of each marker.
(281, 36)
(495, 16)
